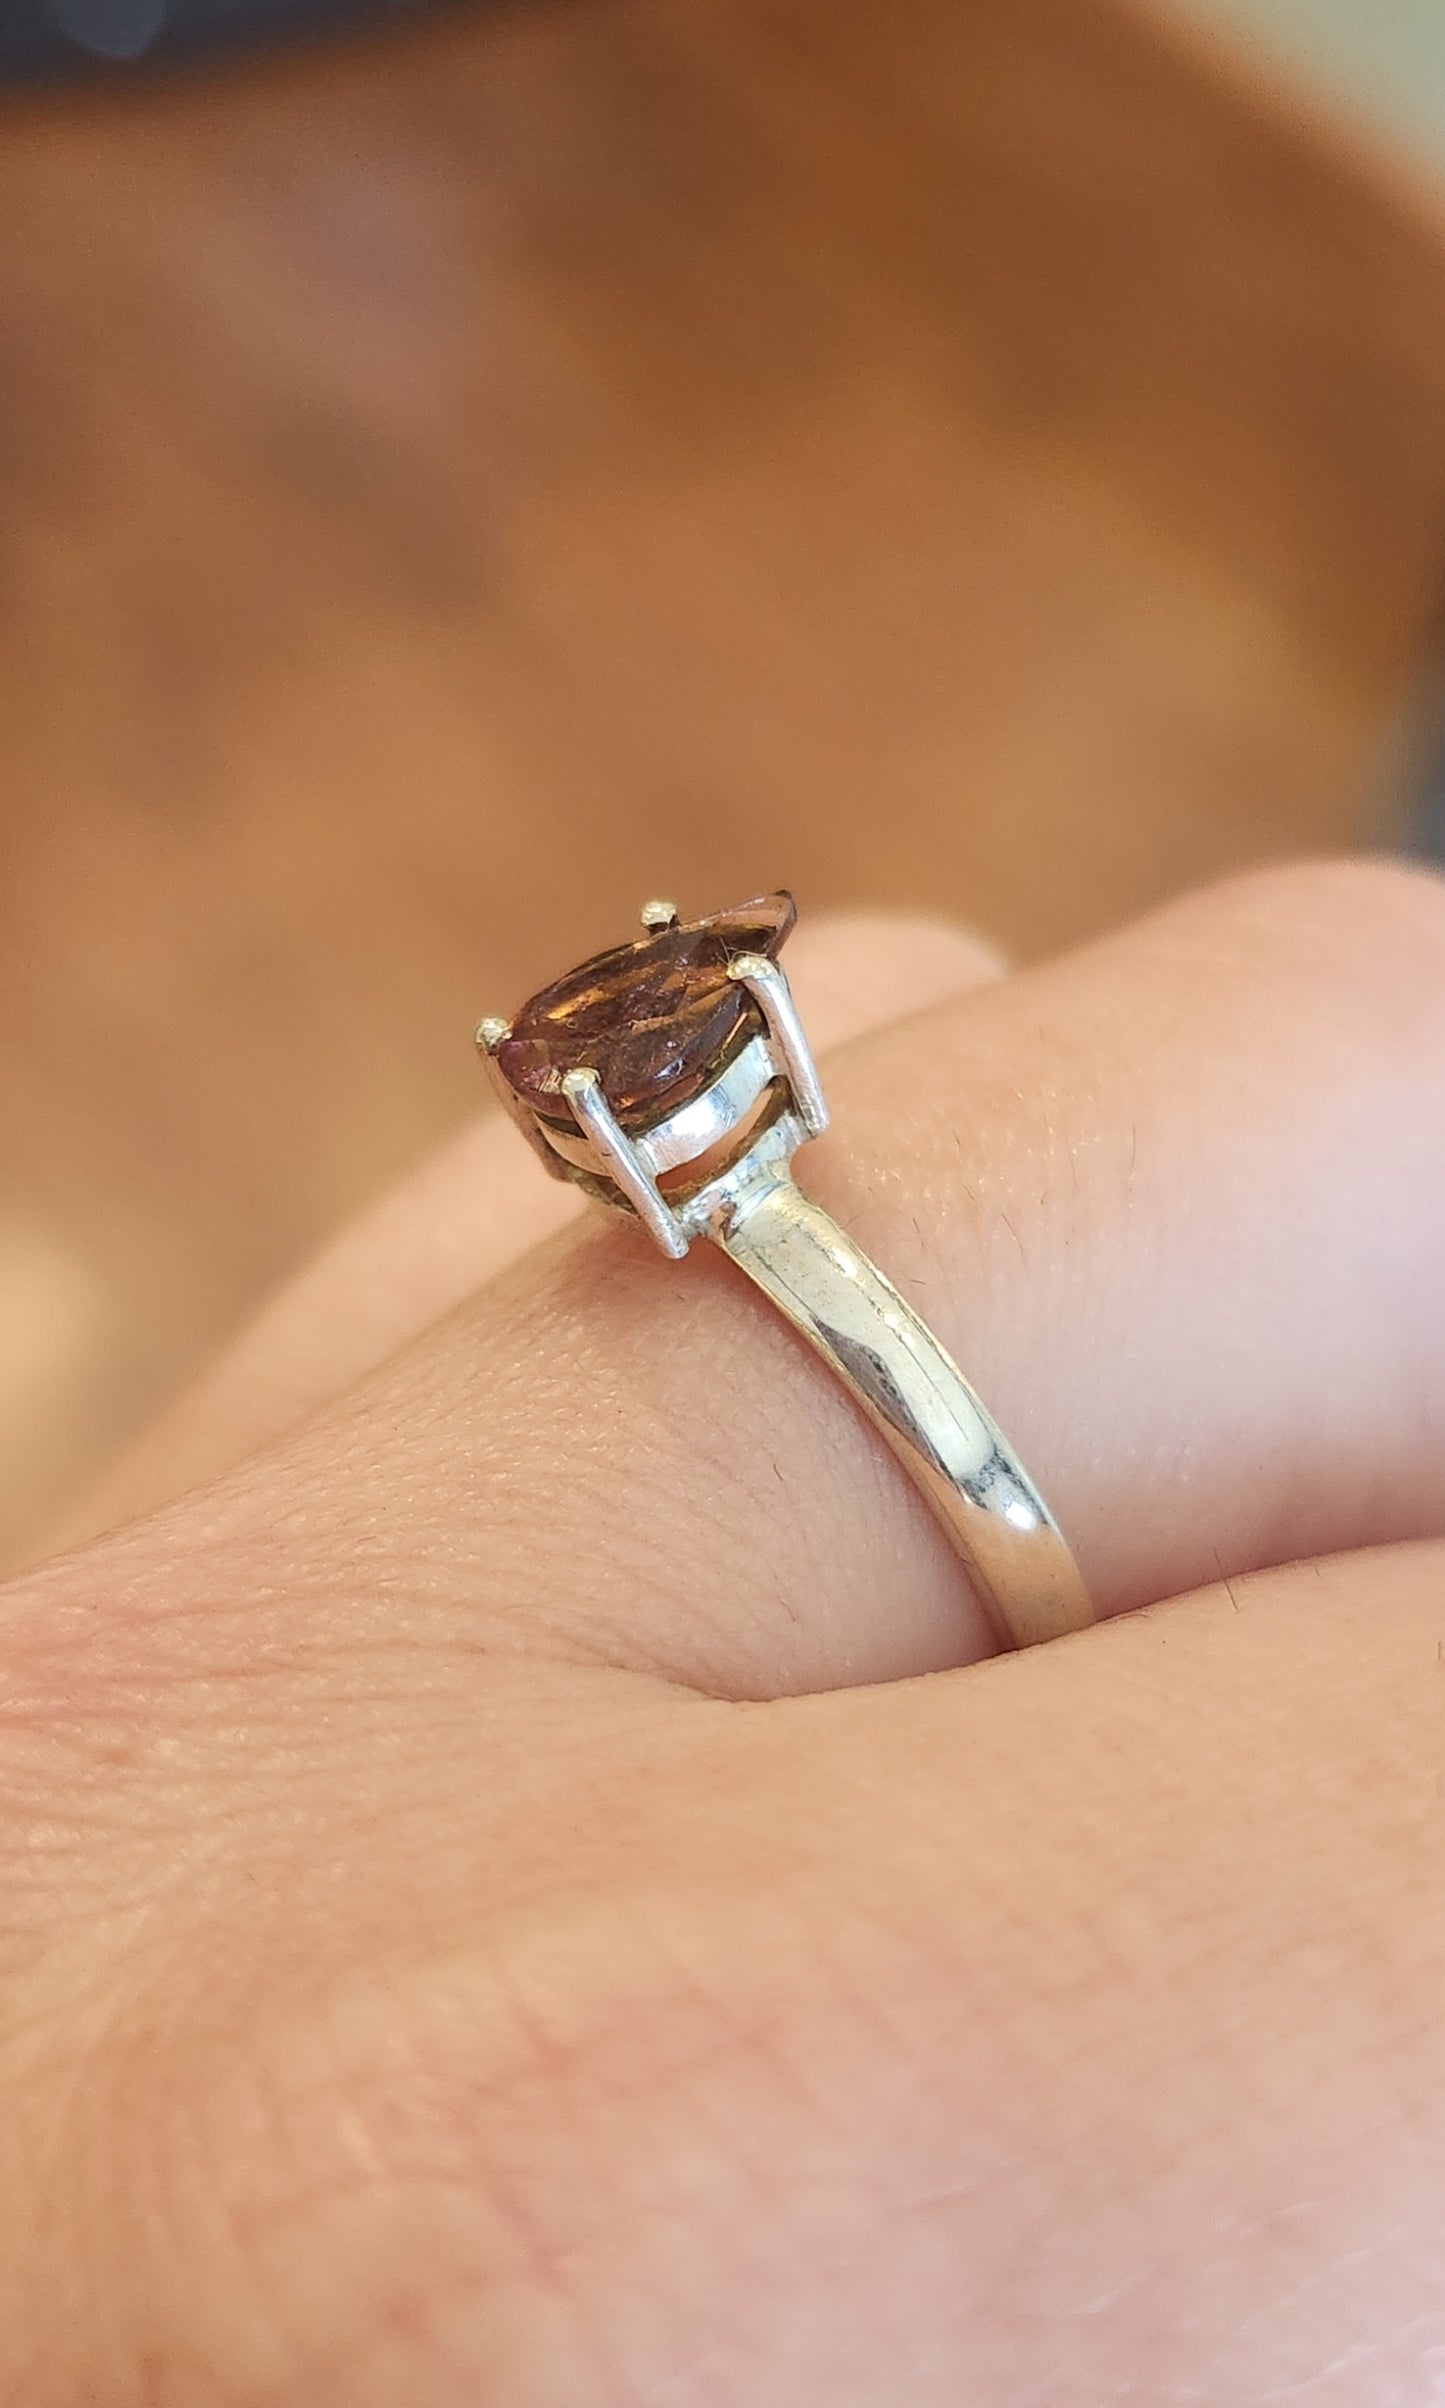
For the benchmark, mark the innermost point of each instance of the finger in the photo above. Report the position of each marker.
(1159, 2109)
(1153, 1931)
(1067, 2032)
(477, 1204)
(1173, 1202)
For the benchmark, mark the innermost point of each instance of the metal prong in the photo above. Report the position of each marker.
(491, 1033)
(658, 915)
(598, 1123)
(768, 986)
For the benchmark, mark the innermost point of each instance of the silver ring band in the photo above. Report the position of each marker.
(911, 1388)
(755, 1098)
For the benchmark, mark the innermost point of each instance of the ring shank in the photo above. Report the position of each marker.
(917, 1397)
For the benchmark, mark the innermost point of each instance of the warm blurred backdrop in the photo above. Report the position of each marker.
(978, 454)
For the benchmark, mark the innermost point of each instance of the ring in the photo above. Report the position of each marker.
(671, 1079)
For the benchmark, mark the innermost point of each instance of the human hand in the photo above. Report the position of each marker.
(474, 1933)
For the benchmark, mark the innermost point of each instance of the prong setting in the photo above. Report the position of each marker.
(768, 986)
(620, 1159)
(689, 1079)
(695, 1127)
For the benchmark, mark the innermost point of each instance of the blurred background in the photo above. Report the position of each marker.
(465, 468)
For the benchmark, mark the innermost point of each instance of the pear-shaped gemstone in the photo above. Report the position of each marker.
(655, 1019)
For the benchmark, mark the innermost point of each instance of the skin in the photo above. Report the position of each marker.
(493, 1910)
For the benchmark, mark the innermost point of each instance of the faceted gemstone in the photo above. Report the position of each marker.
(655, 1019)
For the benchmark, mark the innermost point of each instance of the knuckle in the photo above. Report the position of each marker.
(1373, 916)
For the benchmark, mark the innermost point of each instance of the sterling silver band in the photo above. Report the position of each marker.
(912, 1389)
(762, 1105)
